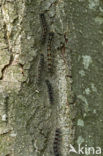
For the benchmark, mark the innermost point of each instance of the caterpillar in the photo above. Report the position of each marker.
(49, 51)
(56, 144)
(44, 28)
(50, 39)
(50, 91)
(6, 108)
(40, 67)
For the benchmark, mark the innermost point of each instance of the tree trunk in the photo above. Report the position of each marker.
(51, 76)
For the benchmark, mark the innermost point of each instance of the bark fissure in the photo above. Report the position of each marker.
(6, 66)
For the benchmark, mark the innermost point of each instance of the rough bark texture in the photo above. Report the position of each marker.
(29, 114)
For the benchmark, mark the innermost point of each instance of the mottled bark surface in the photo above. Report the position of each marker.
(29, 115)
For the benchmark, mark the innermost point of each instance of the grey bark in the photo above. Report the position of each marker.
(28, 117)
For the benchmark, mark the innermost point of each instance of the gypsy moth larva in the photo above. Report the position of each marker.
(44, 28)
(50, 91)
(56, 144)
(40, 68)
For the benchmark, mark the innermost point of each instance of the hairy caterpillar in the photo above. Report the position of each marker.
(56, 144)
(44, 28)
(49, 51)
(6, 108)
(50, 91)
(40, 67)
(50, 39)
(49, 59)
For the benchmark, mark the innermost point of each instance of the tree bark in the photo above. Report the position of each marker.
(35, 103)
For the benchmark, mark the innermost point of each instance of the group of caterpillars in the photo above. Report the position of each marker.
(48, 36)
